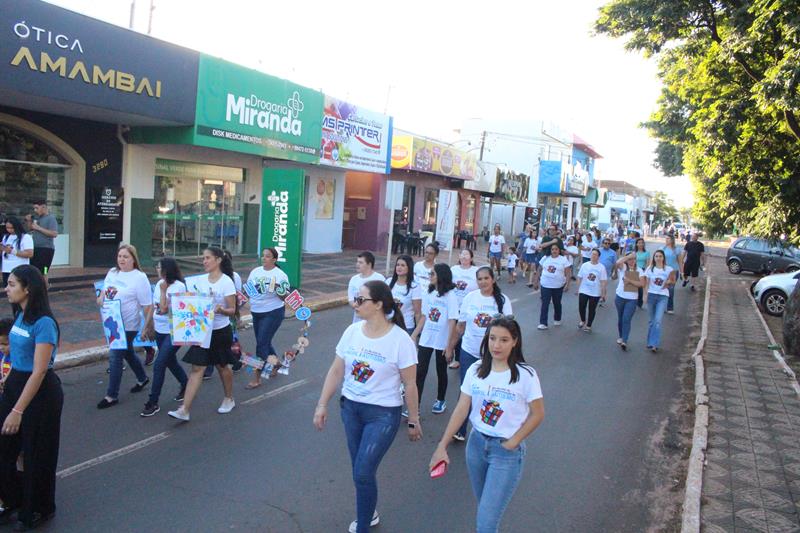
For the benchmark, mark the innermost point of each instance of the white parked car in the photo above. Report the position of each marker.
(771, 292)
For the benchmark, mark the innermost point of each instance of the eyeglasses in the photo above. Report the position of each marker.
(358, 300)
(501, 315)
(606, 242)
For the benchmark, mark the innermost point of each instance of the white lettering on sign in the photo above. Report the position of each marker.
(266, 115)
(280, 201)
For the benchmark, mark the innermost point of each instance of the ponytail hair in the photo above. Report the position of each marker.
(225, 265)
(499, 298)
(379, 291)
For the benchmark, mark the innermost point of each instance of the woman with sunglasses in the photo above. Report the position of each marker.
(658, 279)
(406, 291)
(502, 397)
(170, 282)
(436, 332)
(464, 278)
(373, 357)
(477, 311)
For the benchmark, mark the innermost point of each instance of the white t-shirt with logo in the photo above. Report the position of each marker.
(591, 275)
(572, 250)
(591, 245)
(634, 295)
(161, 321)
(372, 366)
(266, 301)
(500, 408)
(512, 261)
(12, 261)
(658, 280)
(437, 310)
(553, 275)
(405, 298)
(353, 288)
(531, 244)
(465, 280)
(496, 243)
(132, 289)
(219, 290)
(422, 275)
(476, 312)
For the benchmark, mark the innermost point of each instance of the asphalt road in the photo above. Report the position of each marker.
(265, 468)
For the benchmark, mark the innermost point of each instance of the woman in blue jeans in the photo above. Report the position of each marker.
(171, 282)
(553, 277)
(659, 277)
(626, 300)
(266, 306)
(373, 357)
(502, 397)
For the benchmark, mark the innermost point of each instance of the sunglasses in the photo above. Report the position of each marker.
(358, 300)
(501, 315)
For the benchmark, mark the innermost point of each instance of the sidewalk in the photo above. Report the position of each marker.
(752, 477)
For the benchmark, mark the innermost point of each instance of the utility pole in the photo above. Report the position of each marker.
(150, 17)
(133, 11)
(483, 143)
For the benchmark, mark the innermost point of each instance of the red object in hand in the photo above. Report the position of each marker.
(439, 470)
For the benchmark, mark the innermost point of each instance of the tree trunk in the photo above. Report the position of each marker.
(791, 323)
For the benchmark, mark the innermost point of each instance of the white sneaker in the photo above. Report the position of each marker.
(227, 406)
(619, 341)
(372, 523)
(556, 322)
(670, 312)
(180, 414)
(541, 326)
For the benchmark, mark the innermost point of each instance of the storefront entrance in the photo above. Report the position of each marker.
(196, 206)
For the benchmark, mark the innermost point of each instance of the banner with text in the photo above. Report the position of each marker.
(283, 196)
(355, 138)
(425, 155)
(446, 218)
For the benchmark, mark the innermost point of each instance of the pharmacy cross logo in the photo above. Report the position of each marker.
(295, 104)
(273, 198)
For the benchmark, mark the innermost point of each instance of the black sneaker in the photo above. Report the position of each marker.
(179, 397)
(105, 403)
(685, 282)
(150, 409)
(236, 367)
(139, 387)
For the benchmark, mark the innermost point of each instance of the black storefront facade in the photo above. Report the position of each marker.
(69, 88)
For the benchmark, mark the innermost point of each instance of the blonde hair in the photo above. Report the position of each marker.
(131, 249)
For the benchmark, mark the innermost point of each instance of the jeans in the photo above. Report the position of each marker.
(585, 300)
(625, 310)
(115, 358)
(264, 326)
(640, 298)
(370, 430)
(424, 360)
(658, 304)
(165, 359)
(494, 473)
(467, 360)
(547, 295)
(671, 299)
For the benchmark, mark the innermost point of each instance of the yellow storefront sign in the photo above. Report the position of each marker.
(425, 155)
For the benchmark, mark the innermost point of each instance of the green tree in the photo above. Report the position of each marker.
(664, 208)
(728, 112)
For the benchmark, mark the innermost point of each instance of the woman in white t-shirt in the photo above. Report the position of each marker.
(625, 301)
(502, 397)
(554, 277)
(406, 291)
(170, 282)
(436, 332)
(17, 247)
(422, 270)
(218, 282)
(497, 248)
(235, 347)
(373, 357)
(477, 311)
(572, 252)
(266, 306)
(130, 286)
(658, 279)
(464, 279)
(592, 280)
(587, 245)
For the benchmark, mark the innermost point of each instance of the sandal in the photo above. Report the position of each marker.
(251, 386)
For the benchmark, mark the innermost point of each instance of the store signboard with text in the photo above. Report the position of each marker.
(283, 196)
(424, 155)
(244, 110)
(355, 138)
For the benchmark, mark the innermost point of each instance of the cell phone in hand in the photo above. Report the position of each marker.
(439, 470)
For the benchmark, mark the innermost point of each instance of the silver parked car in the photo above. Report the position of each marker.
(771, 292)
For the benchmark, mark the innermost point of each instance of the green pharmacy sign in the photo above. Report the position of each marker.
(243, 110)
(283, 193)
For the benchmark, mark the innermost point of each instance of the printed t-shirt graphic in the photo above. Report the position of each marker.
(658, 279)
(476, 312)
(496, 243)
(591, 275)
(437, 311)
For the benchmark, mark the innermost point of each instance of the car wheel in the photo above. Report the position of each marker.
(735, 266)
(774, 302)
(792, 268)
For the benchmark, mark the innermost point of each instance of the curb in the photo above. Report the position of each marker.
(776, 353)
(98, 353)
(694, 477)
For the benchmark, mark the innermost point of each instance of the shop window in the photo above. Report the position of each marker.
(469, 221)
(431, 206)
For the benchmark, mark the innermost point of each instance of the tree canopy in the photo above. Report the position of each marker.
(729, 107)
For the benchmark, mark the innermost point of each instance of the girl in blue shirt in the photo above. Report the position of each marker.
(32, 395)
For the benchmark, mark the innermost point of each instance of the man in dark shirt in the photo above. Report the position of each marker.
(694, 257)
(44, 230)
(551, 239)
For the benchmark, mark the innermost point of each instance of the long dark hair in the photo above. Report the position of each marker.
(409, 277)
(170, 270)
(444, 279)
(515, 360)
(379, 291)
(636, 245)
(653, 260)
(38, 302)
(19, 229)
(226, 265)
(499, 299)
